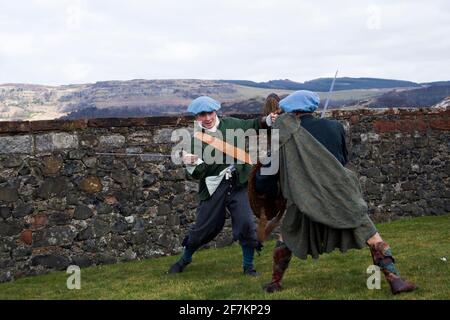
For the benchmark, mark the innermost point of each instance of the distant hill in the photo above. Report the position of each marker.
(323, 84)
(444, 104)
(422, 97)
(135, 98)
(436, 84)
(249, 106)
(230, 106)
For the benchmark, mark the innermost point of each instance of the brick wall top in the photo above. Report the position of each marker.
(8, 127)
(410, 117)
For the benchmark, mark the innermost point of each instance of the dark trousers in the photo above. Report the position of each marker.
(211, 215)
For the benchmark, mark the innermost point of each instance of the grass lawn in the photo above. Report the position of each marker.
(418, 244)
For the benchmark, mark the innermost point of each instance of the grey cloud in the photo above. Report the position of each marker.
(69, 41)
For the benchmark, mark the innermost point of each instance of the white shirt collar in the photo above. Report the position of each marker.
(214, 128)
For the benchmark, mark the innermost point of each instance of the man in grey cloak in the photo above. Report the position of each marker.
(325, 208)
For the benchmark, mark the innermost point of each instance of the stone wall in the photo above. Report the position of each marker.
(61, 203)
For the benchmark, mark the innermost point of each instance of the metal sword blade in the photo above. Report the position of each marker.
(329, 95)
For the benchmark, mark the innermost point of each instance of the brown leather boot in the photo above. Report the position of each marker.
(281, 258)
(382, 257)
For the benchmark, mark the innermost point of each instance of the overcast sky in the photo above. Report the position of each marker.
(78, 41)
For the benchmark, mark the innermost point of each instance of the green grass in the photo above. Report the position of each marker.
(418, 245)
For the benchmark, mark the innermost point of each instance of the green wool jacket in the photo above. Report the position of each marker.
(205, 170)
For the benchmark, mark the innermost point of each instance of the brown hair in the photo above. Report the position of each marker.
(271, 104)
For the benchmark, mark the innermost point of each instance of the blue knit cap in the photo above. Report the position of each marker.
(203, 104)
(302, 100)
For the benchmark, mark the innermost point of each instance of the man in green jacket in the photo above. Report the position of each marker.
(221, 186)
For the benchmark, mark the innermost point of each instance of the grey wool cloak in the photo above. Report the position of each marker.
(325, 205)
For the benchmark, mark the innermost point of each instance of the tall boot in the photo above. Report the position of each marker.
(182, 262)
(382, 257)
(281, 258)
(247, 261)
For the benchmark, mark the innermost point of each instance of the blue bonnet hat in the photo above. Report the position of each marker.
(302, 100)
(203, 104)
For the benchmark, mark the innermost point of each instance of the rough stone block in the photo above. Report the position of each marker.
(54, 261)
(16, 144)
(163, 136)
(114, 140)
(8, 194)
(56, 141)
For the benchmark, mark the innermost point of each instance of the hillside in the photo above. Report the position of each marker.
(323, 84)
(251, 105)
(422, 97)
(137, 98)
(129, 98)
